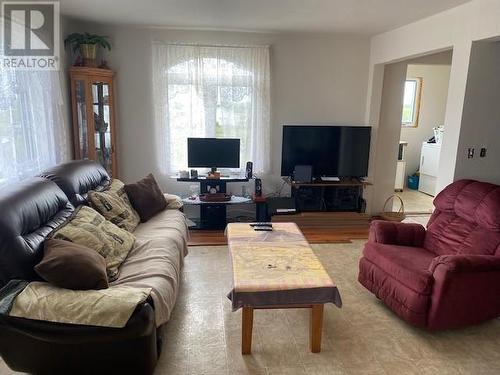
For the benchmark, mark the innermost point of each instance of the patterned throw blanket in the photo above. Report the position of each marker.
(110, 307)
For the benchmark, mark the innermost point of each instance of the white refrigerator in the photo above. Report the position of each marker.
(429, 166)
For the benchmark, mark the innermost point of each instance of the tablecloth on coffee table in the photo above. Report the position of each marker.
(276, 268)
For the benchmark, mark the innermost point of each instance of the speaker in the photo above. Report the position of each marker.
(249, 170)
(258, 187)
(302, 173)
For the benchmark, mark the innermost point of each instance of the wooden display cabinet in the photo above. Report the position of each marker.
(93, 113)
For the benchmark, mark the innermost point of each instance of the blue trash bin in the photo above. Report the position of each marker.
(413, 182)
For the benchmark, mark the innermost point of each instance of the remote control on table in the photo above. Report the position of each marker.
(261, 224)
(263, 229)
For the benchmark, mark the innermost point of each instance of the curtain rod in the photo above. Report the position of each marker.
(211, 45)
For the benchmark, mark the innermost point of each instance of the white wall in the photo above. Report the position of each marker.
(434, 94)
(388, 129)
(315, 79)
(453, 29)
(481, 116)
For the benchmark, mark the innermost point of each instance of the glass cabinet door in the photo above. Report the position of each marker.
(93, 116)
(102, 124)
(81, 118)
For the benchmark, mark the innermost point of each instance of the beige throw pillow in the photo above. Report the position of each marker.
(89, 228)
(114, 205)
(174, 202)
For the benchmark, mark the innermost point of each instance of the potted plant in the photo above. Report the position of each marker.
(87, 44)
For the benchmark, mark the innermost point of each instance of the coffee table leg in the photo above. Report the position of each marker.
(246, 330)
(316, 326)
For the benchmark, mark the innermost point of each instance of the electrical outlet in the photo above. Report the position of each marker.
(470, 153)
(482, 153)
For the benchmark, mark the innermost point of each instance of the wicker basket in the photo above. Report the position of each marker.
(391, 215)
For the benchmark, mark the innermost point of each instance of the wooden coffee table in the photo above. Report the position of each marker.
(277, 270)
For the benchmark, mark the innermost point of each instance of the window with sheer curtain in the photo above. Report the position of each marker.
(211, 91)
(32, 130)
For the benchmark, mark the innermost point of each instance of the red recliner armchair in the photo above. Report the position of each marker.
(447, 276)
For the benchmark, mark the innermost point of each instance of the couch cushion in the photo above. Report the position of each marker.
(407, 265)
(77, 177)
(146, 197)
(72, 266)
(474, 201)
(156, 260)
(89, 228)
(168, 224)
(29, 211)
(114, 205)
(449, 234)
(156, 264)
(466, 219)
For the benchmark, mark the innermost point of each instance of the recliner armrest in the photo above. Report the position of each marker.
(395, 233)
(466, 263)
(465, 291)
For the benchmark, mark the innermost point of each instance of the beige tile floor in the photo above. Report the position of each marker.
(364, 337)
(414, 201)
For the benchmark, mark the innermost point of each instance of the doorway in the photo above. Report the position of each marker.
(422, 130)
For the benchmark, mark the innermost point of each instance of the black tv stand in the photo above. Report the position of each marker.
(213, 214)
(345, 195)
(219, 184)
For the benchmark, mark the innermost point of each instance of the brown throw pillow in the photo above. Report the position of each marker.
(72, 266)
(146, 197)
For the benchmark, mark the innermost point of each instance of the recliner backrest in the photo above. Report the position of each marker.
(29, 211)
(76, 178)
(466, 220)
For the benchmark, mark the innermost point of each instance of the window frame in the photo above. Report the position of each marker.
(416, 103)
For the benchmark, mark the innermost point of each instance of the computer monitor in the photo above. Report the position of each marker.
(213, 153)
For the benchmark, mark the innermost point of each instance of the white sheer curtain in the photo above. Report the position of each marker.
(211, 91)
(32, 129)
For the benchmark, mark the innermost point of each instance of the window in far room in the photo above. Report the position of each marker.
(411, 102)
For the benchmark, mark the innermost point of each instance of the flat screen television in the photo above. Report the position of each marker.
(213, 153)
(336, 151)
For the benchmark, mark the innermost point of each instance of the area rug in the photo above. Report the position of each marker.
(364, 337)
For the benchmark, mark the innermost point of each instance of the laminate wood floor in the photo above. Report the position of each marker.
(313, 235)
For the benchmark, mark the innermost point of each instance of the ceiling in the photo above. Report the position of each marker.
(367, 17)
